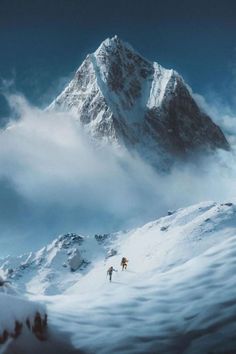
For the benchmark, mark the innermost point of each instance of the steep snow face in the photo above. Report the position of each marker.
(121, 97)
(161, 78)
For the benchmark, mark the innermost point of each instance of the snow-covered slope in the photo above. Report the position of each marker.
(122, 98)
(177, 295)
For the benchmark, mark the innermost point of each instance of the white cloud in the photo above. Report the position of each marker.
(54, 180)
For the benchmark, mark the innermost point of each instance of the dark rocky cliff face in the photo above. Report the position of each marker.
(182, 126)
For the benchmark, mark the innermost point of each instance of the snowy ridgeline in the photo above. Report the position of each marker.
(177, 295)
(55, 267)
(161, 245)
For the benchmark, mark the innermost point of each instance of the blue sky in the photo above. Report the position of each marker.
(43, 42)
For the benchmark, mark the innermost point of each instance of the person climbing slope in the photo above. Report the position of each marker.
(110, 271)
(124, 263)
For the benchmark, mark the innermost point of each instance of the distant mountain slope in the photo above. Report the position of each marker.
(122, 98)
(52, 269)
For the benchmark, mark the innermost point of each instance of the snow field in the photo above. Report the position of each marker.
(177, 295)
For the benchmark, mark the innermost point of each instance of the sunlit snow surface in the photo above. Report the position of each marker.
(177, 295)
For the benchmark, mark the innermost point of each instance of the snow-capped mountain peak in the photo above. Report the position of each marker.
(122, 98)
(130, 79)
(113, 43)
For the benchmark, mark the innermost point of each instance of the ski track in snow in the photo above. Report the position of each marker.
(177, 295)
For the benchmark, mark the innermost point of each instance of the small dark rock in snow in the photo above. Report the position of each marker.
(10, 271)
(101, 238)
(111, 253)
(2, 282)
(65, 241)
(170, 212)
(228, 204)
(24, 266)
(164, 228)
(208, 219)
(75, 260)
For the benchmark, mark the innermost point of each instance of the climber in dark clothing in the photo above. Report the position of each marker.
(110, 271)
(124, 263)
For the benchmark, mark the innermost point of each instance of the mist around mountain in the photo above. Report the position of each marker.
(64, 173)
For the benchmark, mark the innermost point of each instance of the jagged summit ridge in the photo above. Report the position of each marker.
(114, 42)
(121, 97)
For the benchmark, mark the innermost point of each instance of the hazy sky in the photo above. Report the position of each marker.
(43, 42)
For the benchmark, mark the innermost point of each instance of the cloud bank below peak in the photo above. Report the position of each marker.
(56, 180)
